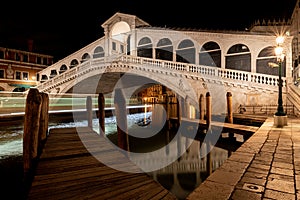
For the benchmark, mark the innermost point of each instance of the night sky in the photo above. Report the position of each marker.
(60, 28)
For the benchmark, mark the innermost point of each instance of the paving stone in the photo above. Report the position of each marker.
(283, 165)
(262, 162)
(255, 175)
(268, 148)
(244, 194)
(258, 170)
(297, 181)
(233, 166)
(283, 156)
(272, 194)
(211, 190)
(276, 170)
(259, 165)
(257, 181)
(285, 152)
(266, 156)
(241, 156)
(224, 177)
(271, 141)
(250, 149)
(281, 177)
(297, 165)
(286, 160)
(281, 186)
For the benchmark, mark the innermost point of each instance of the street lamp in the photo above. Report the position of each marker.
(280, 115)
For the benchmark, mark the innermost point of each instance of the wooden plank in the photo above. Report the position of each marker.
(66, 169)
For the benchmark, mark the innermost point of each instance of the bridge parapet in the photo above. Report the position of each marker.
(188, 70)
(265, 79)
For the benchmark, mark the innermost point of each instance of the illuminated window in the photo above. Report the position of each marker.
(25, 75)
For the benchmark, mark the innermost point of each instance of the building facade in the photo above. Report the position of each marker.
(19, 69)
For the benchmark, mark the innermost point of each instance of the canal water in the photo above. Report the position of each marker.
(185, 162)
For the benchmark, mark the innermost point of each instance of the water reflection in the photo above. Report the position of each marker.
(188, 170)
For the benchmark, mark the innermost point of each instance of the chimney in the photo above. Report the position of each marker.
(30, 45)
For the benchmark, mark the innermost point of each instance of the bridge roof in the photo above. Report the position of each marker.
(121, 16)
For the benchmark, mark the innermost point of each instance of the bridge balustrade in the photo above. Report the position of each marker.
(117, 60)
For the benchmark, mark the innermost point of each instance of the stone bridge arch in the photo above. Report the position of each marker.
(117, 76)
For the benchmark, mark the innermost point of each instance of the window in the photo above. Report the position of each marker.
(25, 58)
(38, 60)
(1, 55)
(114, 46)
(18, 75)
(25, 75)
(45, 61)
(1, 73)
(18, 58)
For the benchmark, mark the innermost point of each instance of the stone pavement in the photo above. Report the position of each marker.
(266, 166)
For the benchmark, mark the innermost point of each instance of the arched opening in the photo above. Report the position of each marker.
(63, 68)
(85, 57)
(210, 55)
(74, 63)
(119, 31)
(144, 48)
(98, 52)
(239, 58)
(186, 52)
(164, 50)
(266, 56)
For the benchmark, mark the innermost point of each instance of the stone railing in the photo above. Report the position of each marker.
(206, 72)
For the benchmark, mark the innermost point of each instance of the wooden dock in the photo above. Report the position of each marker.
(66, 169)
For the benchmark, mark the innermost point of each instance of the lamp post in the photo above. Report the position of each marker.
(280, 115)
(280, 58)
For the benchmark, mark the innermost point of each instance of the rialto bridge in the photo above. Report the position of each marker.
(133, 55)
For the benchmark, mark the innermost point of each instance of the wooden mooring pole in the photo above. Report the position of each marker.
(44, 120)
(208, 112)
(121, 118)
(101, 114)
(229, 108)
(89, 110)
(229, 112)
(201, 106)
(35, 128)
(208, 131)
